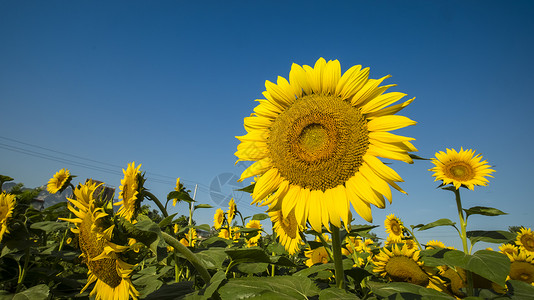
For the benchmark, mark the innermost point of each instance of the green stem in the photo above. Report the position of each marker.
(22, 272)
(414, 238)
(190, 256)
(151, 196)
(463, 236)
(338, 263)
(326, 247)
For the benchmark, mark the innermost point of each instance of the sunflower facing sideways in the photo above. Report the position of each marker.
(7, 203)
(111, 274)
(59, 181)
(129, 192)
(401, 264)
(316, 139)
(287, 230)
(461, 168)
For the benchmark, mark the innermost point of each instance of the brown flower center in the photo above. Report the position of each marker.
(528, 241)
(521, 270)
(460, 171)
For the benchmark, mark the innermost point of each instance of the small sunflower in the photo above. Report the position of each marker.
(522, 267)
(231, 210)
(7, 203)
(59, 181)
(112, 275)
(129, 192)
(257, 225)
(525, 240)
(190, 238)
(461, 168)
(394, 227)
(177, 188)
(509, 249)
(316, 141)
(316, 256)
(224, 233)
(218, 218)
(288, 231)
(401, 265)
(434, 244)
(236, 234)
(411, 244)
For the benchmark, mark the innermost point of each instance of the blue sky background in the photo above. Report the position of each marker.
(168, 83)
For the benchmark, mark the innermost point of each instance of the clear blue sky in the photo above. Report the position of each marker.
(168, 83)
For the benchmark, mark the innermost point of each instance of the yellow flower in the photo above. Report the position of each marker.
(134, 245)
(190, 238)
(394, 227)
(257, 225)
(315, 142)
(461, 168)
(509, 249)
(59, 181)
(522, 267)
(224, 233)
(411, 244)
(288, 231)
(231, 210)
(434, 244)
(315, 256)
(525, 240)
(401, 265)
(236, 234)
(177, 188)
(112, 275)
(218, 218)
(7, 203)
(129, 191)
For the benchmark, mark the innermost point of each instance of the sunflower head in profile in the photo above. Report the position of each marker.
(400, 265)
(315, 142)
(231, 210)
(131, 185)
(218, 218)
(288, 231)
(7, 203)
(177, 188)
(102, 257)
(435, 244)
(318, 255)
(59, 182)
(190, 238)
(461, 168)
(525, 240)
(522, 267)
(394, 227)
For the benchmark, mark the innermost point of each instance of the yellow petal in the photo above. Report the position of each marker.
(283, 93)
(378, 184)
(361, 207)
(266, 184)
(361, 186)
(297, 79)
(390, 110)
(315, 210)
(384, 153)
(291, 199)
(256, 168)
(351, 81)
(267, 109)
(381, 102)
(367, 90)
(255, 136)
(257, 122)
(331, 75)
(301, 207)
(387, 123)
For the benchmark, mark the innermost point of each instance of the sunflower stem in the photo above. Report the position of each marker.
(325, 245)
(463, 236)
(338, 263)
(155, 199)
(190, 256)
(413, 237)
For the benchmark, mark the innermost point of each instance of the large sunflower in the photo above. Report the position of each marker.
(287, 230)
(461, 168)
(7, 203)
(59, 181)
(112, 275)
(129, 191)
(525, 240)
(401, 264)
(316, 139)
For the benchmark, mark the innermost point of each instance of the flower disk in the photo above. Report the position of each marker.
(7, 203)
(525, 240)
(315, 142)
(401, 265)
(461, 168)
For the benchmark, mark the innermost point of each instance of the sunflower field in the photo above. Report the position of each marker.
(319, 146)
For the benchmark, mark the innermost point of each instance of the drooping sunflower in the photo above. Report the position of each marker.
(461, 168)
(129, 192)
(315, 256)
(7, 203)
(112, 275)
(316, 141)
(522, 267)
(287, 230)
(59, 181)
(218, 218)
(394, 227)
(525, 240)
(231, 210)
(177, 188)
(401, 265)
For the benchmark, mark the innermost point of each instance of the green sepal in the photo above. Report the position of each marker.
(248, 189)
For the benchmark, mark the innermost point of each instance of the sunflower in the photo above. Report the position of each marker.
(434, 244)
(257, 225)
(112, 275)
(525, 240)
(394, 227)
(461, 168)
(522, 267)
(190, 238)
(59, 181)
(224, 233)
(316, 256)
(509, 249)
(218, 218)
(177, 188)
(287, 230)
(231, 210)
(401, 264)
(315, 142)
(129, 191)
(7, 203)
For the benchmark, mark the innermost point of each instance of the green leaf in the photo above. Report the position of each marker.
(440, 222)
(203, 206)
(204, 227)
(4, 178)
(172, 291)
(37, 292)
(413, 156)
(355, 229)
(406, 291)
(213, 258)
(496, 237)
(282, 261)
(481, 210)
(215, 282)
(520, 289)
(278, 287)
(50, 226)
(166, 221)
(248, 255)
(260, 217)
(248, 189)
(335, 293)
(181, 196)
(253, 268)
